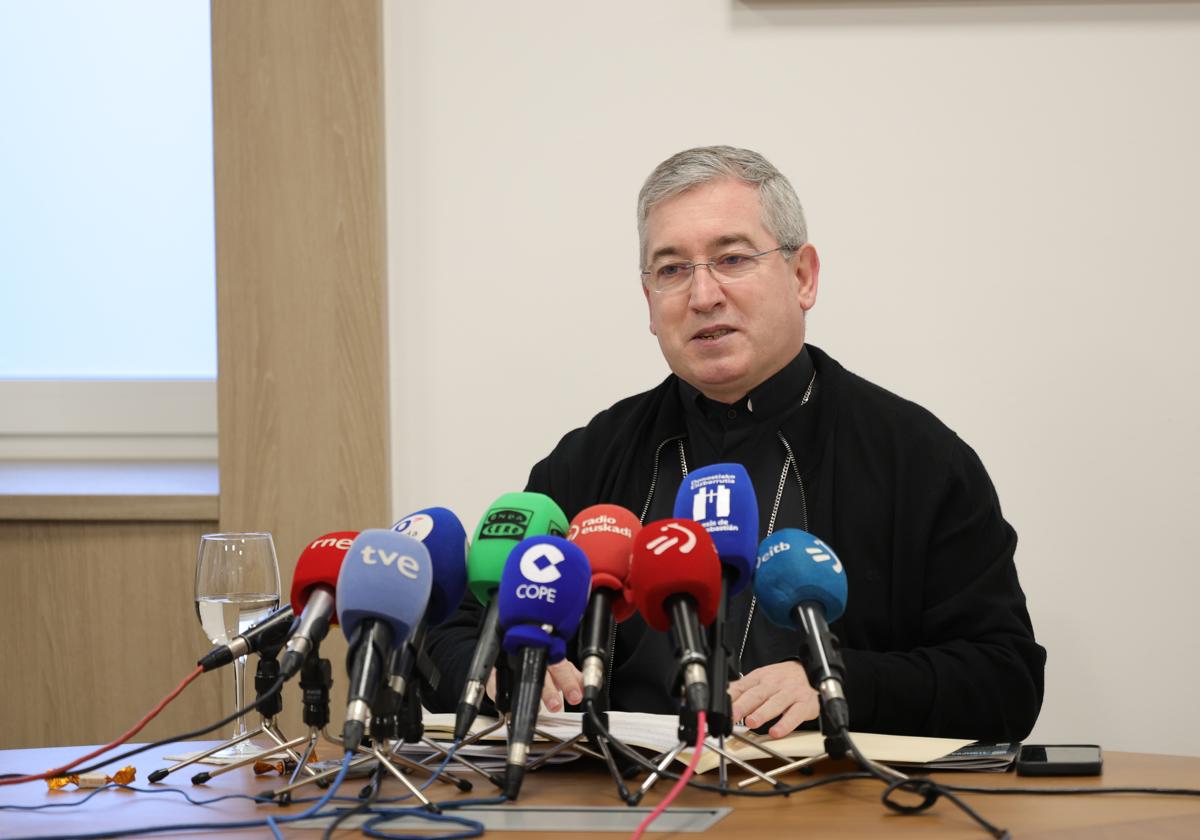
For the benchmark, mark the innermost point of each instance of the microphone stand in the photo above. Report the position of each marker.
(720, 713)
(266, 675)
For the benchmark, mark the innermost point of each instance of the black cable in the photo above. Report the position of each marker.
(1072, 791)
(361, 807)
(929, 791)
(245, 710)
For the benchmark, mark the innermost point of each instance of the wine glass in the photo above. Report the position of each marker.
(237, 583)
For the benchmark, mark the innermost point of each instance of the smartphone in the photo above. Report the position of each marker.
(1059, 760)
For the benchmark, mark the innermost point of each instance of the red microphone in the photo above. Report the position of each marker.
(675, 580)
(605, 534)
(314, 586)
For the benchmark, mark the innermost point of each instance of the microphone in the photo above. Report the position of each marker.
(675, 578)
(605, 535)
(313, 595)
(721, 498)
(543, 590)
(444, 537)
(267, 633)
(510, 519)
(382, 591)
(801, 585)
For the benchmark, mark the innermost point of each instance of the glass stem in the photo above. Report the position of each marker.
(239, 695)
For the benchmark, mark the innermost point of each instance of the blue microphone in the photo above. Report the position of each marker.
(443, 535)
(801, 585)
(721, 498)
(382, 591)
(543, 592)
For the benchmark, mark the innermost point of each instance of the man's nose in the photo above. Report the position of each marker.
(706, 293)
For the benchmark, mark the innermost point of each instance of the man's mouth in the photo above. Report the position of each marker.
(713, 335)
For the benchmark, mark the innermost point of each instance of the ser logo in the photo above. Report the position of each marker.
(418, 526)
(505, 524)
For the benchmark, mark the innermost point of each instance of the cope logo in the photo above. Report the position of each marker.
(505, 524)
(418, 526)
(540, 563)
(673, 534)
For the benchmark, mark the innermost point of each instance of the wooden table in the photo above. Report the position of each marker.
(844, 810)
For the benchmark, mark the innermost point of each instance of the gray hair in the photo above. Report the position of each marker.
(782, 214)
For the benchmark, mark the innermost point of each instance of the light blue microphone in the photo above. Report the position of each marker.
(801, 585)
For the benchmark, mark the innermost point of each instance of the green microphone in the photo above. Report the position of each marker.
(510, 519)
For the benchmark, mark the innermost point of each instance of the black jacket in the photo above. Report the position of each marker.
(936, 637)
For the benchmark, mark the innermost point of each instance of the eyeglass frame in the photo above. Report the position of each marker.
(723, 281)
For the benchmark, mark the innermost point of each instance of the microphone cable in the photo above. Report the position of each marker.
(930, 790)
(701, 732)
(195, 733)
(12, 779)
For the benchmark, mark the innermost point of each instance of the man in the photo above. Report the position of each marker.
(936, 637)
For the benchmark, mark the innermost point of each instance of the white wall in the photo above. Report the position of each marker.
(1004, 199)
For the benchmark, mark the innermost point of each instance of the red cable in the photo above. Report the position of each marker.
(137, 727)
(683, 780)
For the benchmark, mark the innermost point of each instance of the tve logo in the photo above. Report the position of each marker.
(716, 496)
(665, 541)
(540, 562)
(418, 526)
(405, 565)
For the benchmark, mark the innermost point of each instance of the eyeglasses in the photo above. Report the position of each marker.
(671, 277)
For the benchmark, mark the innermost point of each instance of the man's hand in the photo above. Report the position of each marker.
(771, 691)
(562, 678)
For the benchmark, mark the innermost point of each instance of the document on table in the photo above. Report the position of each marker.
(657, 733)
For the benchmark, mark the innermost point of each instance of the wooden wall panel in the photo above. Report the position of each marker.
(301, 287)
(99, 623)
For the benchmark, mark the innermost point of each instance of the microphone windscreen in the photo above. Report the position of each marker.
(444, 537)
(319, 565)
(385, 576)
(605, 535)
(794, 567)
(543, 591)
(721, 498)
(510, 519)
(673, 557)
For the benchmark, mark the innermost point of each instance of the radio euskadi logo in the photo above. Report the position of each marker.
(540, 562)
(506, 524)
(418, 526)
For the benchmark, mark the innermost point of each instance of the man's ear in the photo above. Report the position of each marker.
(808, 272)
(650, 310)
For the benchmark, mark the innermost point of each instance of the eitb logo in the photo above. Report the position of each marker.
(505, 524)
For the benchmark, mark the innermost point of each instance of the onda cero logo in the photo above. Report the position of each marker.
(505, 524)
